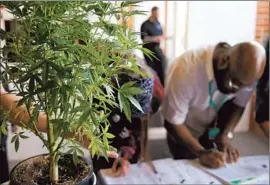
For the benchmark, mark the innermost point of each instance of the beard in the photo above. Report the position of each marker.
(222, 80)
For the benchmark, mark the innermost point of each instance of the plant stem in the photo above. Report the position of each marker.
(53, 153)
(54, 175)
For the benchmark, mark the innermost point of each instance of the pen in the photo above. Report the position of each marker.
(120, 152)
(152, 166)
(216, 148)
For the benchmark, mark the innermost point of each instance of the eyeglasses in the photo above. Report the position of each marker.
(233, 85)
(236, 85)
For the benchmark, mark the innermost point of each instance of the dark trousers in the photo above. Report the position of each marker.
(158, 64)
(178, 149)
(4, 172)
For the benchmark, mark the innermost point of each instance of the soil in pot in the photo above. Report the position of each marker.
(35, 171)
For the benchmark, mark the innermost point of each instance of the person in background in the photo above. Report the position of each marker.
(205, 96)
(130, 137)
(152, 35)
(262, 98)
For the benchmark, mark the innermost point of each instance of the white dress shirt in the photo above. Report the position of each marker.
(187, 91)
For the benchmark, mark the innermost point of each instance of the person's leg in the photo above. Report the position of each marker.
(157, 63)
(160, 64)
(149, 61)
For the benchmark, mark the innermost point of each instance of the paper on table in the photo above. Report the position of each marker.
(192, 174)
(246, 170)
(169, 172)
(138, 174)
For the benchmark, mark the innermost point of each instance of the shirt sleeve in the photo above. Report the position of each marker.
(143, 31)
(242, 97)
(177, 100)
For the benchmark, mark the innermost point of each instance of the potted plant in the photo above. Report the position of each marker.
(64, 67)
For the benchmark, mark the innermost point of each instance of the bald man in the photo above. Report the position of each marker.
(206, 93)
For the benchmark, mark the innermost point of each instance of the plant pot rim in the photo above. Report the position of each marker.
(90, 172)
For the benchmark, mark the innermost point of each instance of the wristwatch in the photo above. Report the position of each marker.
(230, 135)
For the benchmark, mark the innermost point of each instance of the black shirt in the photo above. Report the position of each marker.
(150, 28)
(262, 100)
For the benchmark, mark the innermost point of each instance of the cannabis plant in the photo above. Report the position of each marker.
(66, 55)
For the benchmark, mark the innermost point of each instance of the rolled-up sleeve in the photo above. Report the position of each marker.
(242, 97)
(176, 103)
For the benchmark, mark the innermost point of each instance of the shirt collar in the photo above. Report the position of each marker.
(209, 65)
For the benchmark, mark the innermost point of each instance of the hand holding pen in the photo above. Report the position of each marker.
(121, 165)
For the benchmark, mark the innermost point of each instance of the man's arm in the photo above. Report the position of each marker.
(143, 31)
(228, 117)
(183, 134)
(175, 108)
(18, 114)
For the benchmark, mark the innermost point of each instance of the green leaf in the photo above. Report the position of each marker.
(24, 137)
(104, 152)
(57, 121)
(31, 84)
(75, 158)
(54, 99)
(85, 115)
(106, 128)
(120, 101)
(70, 151)
(17, 144)
(135, 103)
(93, 150)
(24, 78)
(126, 106)
(80, 152)
(112, 149)
(105, 141)
(45, 73)
(127, 85)
(110, 136)
(132, 91)
(35, 66)
(14, 138)
(4, 129)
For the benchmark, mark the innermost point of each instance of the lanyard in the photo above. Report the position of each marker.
(213, 132)
(212, 102)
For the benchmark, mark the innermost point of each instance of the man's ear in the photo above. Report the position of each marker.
(223, 63)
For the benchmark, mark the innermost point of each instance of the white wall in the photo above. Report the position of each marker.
(214, 21)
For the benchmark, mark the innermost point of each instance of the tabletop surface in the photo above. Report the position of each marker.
(248, 143)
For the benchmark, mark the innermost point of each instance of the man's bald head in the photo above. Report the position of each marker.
(238, 66)
(248, 60)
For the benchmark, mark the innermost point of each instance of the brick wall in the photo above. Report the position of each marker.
(262, 22)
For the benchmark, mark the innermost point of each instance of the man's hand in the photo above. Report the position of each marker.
(157, 39)
(231, 153)
(120, 167)
(265, 128)
(212, 158)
